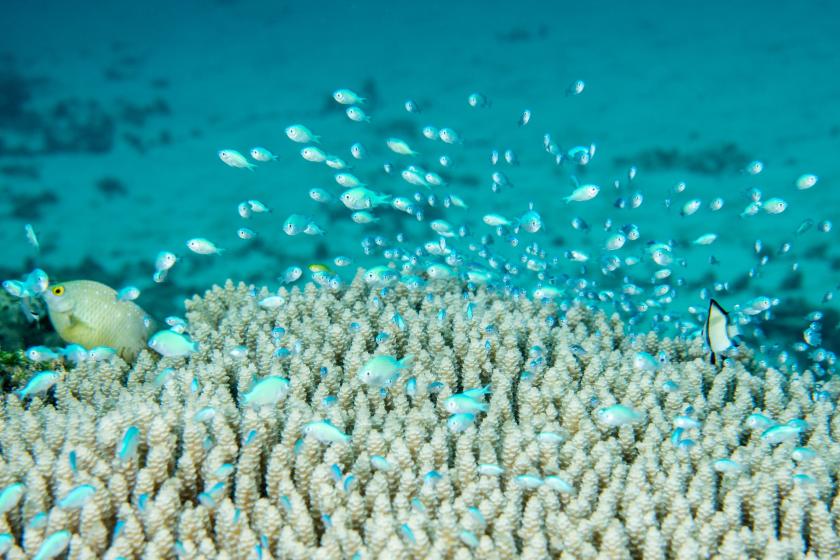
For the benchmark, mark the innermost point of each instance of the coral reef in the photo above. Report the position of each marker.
(213, 478)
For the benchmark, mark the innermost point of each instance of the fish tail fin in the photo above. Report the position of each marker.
(273, 158)
(486, 390)
(316, 139)
(250, 166)
(219, 250)
(407, 360)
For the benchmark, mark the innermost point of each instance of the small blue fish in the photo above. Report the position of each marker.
(349, 481)
(552, 438)
(468, 538)
(677, 435)
(686, 444)
(10, 496)
(469, 311)
(686, 422)
(169, 343)
(325, 432)
(41, 383)
(225, 470)
(618, 415)
(798, 424)
(206, 500)
(335, 470)
(431, 478)
(77, 497)
(463, 404)
(7, 541)
(528, 481)
(758, 421)
(118, 527)
(477, 393)
(38, 521)
(408, 533)
(460, 422)
(101, 353)
(558, 484)
(779, 433)
(476, 514)
(74, 353)
(266, 392)
(286, 503)
(41, 354)
(418, 506)
(727, 466)
(127, 449)
(380, 463)
(53, 545)
(162, 377)
(436, 387)
(803, 454)
(205, 414)
(129, 293)
(488, 469)
(670, 386)
(380, 371)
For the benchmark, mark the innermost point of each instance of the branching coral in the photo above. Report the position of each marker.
(213, 478)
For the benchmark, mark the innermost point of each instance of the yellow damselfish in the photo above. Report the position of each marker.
(91, 314)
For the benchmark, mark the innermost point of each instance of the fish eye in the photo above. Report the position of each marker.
(58, 291)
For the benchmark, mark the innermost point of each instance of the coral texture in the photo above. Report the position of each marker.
(635, 493)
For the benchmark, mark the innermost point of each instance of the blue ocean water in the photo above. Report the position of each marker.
(111, 118)
(638, 157)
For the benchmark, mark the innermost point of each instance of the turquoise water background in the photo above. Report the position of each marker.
(111, 117)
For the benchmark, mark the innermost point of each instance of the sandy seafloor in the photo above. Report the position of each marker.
(713, 84)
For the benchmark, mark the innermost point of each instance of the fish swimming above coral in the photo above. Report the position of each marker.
(91, 314)
(719, 333)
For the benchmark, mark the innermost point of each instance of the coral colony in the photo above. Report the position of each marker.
(515, 429)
